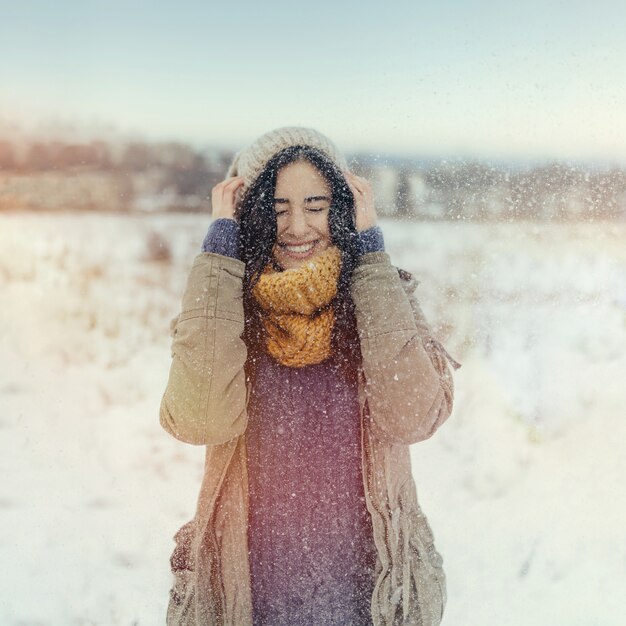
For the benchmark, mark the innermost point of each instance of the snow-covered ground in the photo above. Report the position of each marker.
(524, 486)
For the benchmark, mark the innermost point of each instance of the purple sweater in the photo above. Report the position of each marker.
(312, 554)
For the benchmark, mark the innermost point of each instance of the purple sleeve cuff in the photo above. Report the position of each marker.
(371, 240)
(222, 238)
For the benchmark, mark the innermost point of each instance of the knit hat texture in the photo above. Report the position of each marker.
(251, 160)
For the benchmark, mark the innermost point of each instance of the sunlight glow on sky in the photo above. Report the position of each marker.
(484, 78)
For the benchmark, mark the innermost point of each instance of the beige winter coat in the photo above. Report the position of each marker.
(405, 391)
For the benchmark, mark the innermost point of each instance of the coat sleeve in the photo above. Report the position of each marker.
(206, 395)
(408, 384)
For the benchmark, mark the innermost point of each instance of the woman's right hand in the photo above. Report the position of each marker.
(224, 197)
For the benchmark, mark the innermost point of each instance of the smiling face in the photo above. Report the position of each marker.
(302, 201)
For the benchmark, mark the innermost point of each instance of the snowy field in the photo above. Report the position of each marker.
(524, 485)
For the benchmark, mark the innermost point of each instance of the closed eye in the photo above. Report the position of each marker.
(309, 209)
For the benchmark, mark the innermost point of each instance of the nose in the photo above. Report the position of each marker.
(297, 226)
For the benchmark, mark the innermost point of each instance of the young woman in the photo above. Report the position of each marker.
(302, 361)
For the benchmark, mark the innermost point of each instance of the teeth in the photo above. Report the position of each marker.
(304, 248)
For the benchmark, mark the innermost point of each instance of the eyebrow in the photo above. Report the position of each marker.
(309, 199)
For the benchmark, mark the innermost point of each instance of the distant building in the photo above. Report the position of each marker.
(384, 180)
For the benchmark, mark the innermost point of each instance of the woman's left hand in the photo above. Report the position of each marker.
(364, 209)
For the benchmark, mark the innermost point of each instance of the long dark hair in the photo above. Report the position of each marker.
(258, 231)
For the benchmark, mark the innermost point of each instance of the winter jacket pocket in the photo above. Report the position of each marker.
(428, 581)
(181, 607)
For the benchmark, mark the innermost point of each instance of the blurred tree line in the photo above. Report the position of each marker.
(173, 176)
(183, 168)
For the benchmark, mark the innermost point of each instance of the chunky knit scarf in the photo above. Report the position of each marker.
(298, 316)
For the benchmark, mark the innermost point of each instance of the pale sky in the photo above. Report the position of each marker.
(533, 79)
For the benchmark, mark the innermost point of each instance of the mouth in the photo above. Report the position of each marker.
(300, 250)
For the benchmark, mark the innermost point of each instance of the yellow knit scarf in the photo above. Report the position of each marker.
(297, 316)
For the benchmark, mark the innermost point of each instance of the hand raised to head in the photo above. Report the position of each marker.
(364, 208)
(224, 197)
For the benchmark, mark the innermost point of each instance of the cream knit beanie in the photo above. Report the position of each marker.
(250, 161)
